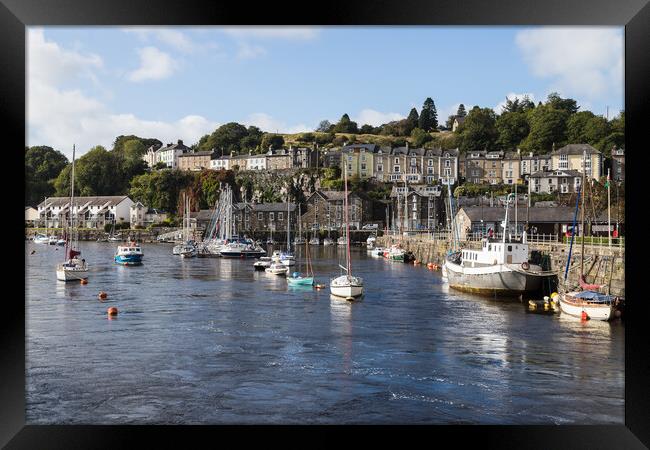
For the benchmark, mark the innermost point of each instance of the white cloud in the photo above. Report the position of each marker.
(267, 123)
(375, 118)
(61, 117)
(579, 61)
(273, 32)
(512, 96)
(248, 51)
(154, 65)
(49, 63)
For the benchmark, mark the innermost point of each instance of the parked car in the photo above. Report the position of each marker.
(370, 226)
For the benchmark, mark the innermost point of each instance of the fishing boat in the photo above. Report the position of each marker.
(298, 280)
(588, 302)
(129, 255)
(41, 239)
(262, 263)
(395, 253)
(277, 268)
(72, 268)
(499, 267)
(346, 286)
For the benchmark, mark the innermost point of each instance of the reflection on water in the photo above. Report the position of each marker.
(209, 340)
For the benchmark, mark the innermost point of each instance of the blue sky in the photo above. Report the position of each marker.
(87, 85)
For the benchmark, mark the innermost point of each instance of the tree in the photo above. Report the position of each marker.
(367, 129)
(323, 139)
(565, 104)
(429, 116)
(120, 142)
(449, 124)
(478, 131)
(95, 174)
(275, 141)
(161, 190)
(324, 126)
(42, 165)
(412, 120)
(586, 128)
(252, 140)
(307, 137)
(461, 111)
(419, 137)
(547, 127)
(345, 125)
(226, 137)
(513, 128)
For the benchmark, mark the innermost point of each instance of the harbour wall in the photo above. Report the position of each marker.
(600, 262)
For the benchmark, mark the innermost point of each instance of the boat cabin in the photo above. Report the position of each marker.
(496, 252)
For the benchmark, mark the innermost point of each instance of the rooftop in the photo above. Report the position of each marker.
(81, 201)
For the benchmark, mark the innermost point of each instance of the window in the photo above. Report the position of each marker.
(447, 163)
(413, 161)
(396, 169)
(396, 160)
(271, 217)
(350, 167)
(414, 170)
(510, 248)
(380, 168)
(430, 170)
(280, 216)
(363, 166)
(430, 162)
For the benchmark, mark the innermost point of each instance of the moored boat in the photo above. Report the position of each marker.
(595, 305)
(314, 241)
(277, 269)
(129, 255)
(328, 241)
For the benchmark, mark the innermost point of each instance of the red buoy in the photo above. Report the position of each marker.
(584, 316)
(102, 295)
(112, 311)
(84, 281)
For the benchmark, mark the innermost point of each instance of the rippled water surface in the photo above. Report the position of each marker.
(209, 341)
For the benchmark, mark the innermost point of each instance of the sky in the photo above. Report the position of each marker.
(88, 85)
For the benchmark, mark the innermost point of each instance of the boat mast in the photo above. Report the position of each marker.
(347, 224)
(573, 233)
(288, 231)
(582, 225)
(72, 203)
(609, 221)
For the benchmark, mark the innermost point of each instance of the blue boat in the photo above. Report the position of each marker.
(129, 255)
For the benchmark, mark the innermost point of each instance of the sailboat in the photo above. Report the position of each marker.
(72, 268)
(588, 303)
(299, 240)
(41, 238)
(299, 280)
(347, 286)
(287, 258)
(188, 249)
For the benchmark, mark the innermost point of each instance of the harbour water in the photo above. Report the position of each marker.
(211, 341)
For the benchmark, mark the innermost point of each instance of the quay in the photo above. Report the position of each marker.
(600, 261)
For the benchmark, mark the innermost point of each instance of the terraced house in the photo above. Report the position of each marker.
(89, 212)
(482, 167)
(570, 157)
(325, 210)
(416, 207)
(359, 160)
(416, 165)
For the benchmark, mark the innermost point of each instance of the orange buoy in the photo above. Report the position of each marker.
(584, 316)
(84, 281)
(112, 311)
(102, 295)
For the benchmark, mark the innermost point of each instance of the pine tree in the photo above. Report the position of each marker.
(412, 121)
(429, 116)
(461, 111)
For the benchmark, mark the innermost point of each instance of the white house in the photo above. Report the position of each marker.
(88, 212)
(170, 153)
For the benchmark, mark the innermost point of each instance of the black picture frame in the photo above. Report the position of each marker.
(15, 15)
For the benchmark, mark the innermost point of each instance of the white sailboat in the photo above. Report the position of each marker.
(72, 268)
(589, 302)
(347, 286)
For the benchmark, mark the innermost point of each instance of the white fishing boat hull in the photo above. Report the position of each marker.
(282, 271)
(346, 287)
(594, 311)
(494, 279)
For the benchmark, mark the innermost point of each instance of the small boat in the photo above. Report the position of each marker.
(342, 242)
(188, 251)
(595, 305)
(242, 248)
(287, 259)
(371, 241)
(298, 280)
(60, 242)
(41, 239)
(262, 263)
(52, 240)
(129, 255)
(395, 253)
(328, 241)
(270, 241)
(314, 241)
(377, 252)
(72, 268)
(299, 241)
(277, 269)
(114, 239)
(346, 286)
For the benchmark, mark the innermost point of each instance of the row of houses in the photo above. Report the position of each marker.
(179, 156)
(92, 212)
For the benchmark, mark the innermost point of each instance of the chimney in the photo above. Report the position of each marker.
(180, 142)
